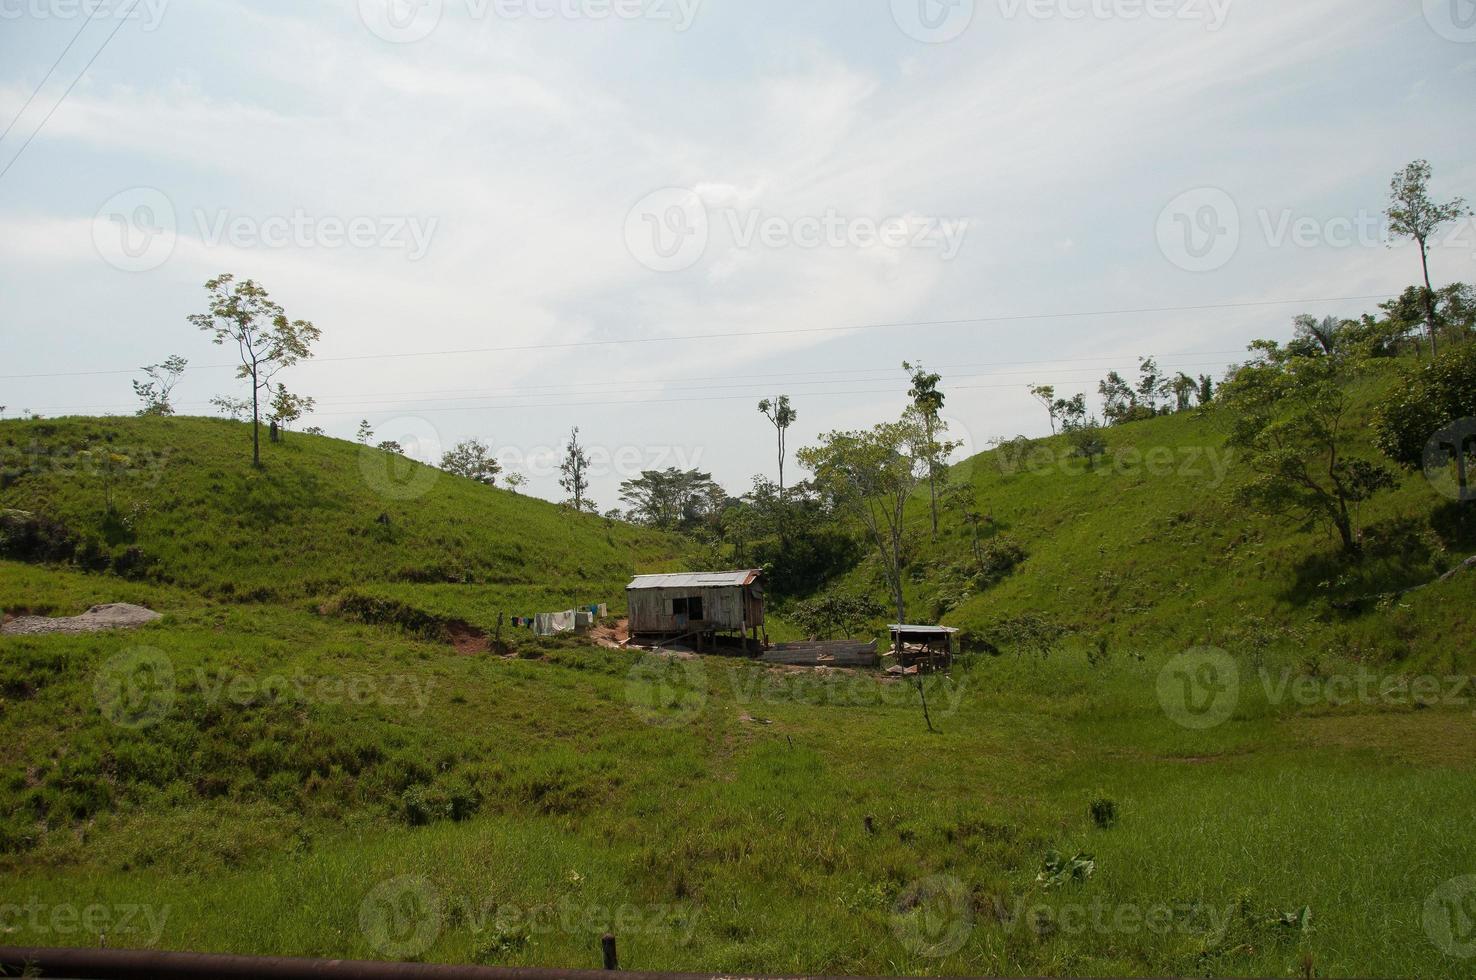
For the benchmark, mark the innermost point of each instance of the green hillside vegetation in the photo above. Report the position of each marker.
(174, 500)
(1148, 549)
(294, 748)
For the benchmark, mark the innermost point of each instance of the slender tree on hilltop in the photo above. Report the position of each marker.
(266, 340)
(781, 416)
(575, 468)
(928, 401)
(1413, 215)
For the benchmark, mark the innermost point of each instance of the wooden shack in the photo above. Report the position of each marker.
(927, 648)
(696, 605)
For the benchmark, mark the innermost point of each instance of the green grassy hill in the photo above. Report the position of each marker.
(322, 516)
(262, 778)
(1149, 551)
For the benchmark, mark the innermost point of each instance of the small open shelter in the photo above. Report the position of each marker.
(927, 647)
(696, 605)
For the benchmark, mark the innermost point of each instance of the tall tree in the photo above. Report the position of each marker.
(575, 470)
(1183, 388)
(781, 416)
(1413, 215)
(1046, 395)
(928, 401)
(266, 340)
(156, 391)
(872, 474)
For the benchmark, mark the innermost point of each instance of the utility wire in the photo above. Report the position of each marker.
(47, 118)
(51, 71)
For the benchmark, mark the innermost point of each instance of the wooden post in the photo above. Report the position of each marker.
(607, 945)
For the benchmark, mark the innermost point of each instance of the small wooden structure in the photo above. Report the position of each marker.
(696, 606)
(928, 648)
(824, 653)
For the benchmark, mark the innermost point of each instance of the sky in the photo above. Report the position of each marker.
(641, 217)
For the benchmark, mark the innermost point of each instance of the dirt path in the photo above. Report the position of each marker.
(112, 616)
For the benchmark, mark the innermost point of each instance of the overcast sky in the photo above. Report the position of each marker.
(537, 205)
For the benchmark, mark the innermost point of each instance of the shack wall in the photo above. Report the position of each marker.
(722, 609)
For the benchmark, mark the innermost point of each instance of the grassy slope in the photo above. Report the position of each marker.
(1158, 557)
(322, 516)
(731, 820)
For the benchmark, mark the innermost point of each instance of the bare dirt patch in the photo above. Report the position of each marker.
(110, 616)
(612, 636)
(467, 639)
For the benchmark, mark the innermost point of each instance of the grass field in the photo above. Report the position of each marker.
(715, 815)
(254, 774)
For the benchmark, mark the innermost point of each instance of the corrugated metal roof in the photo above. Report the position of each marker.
(694, 580)
(922, 629)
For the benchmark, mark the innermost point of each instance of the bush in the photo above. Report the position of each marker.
(1426, 400)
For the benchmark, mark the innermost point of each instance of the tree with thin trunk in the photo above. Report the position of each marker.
(266, 340)
(1046, 395)
(928, 401)
(575, 468)
(1413, 215)
(872, 473)
(781, 416)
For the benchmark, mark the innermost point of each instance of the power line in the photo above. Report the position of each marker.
(51, 71)
(753, 388)
(740, 334)
(47, 118)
